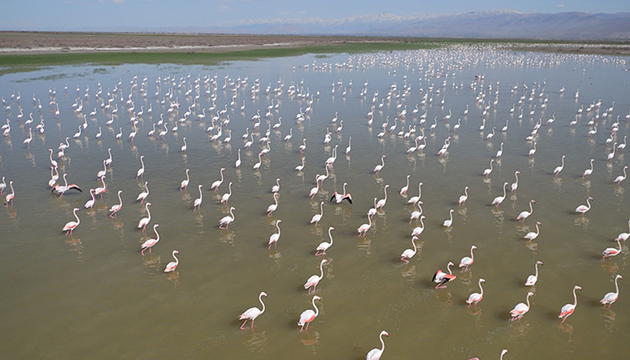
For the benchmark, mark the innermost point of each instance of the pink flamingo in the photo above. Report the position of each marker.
(474, 298)
(375, 354)
(227, 220)
(463, 198)
(317, 217)
(140, 172)
(115, 208)
(273, 239)
(338, 198)
(365, 227)
(533, 235)
(610, 252)
(466, 261)
(499, 199)
(311, 283)
(309, 315)
(568, 309)
(170, 267)
(253, 312)
(525, 214)
(441, 278)
(271, 208)
(143, 195)
(520, 309)
(415, 215)
(151, 242)
(276, 187)
(71, 225)
(611, 297)
(184, 184)
(378, 168)
(144, 221)
(382, 202)
(226, 197)
(532, 279)
(409, 253)
(215, 185)
(9, 197)
(403, 190)
(584, 208)
(90, 203)
(323, 246)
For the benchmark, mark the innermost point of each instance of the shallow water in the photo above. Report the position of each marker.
(94, 295)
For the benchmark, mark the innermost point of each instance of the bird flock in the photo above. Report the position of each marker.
(279, 120)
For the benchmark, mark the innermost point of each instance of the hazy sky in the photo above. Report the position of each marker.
(94, 14)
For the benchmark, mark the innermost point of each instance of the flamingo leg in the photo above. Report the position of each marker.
(243, 326)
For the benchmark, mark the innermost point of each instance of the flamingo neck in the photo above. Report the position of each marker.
(382, 342)
(481, 288)
(574, 297)
(263, 304)
(316, 309)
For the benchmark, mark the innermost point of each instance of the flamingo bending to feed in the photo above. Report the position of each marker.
(409, 253)
(151, 242)
(532, 279)
(273, 239)
(568, 309)
(309, 315)
(115, 208)
(584, 208)
(610, 252)
(317, 217)
(215, 185)
(524, 214)
(170, 267)
(311, 283)
(474, 298)
(253, 312)
(71, 225)
(611, 297)
(520, 309)
(533, 235)
(323, 246)
(227, 220)
(441, 278)
(144, 221)
(375, 354)
(499, 199)
(338, 198)
(466, 261)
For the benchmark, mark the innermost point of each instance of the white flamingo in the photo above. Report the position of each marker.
(532, 279)
(323, 246)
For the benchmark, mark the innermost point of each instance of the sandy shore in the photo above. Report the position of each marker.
(55, 42)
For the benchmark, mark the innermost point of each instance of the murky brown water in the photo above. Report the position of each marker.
(94, 295)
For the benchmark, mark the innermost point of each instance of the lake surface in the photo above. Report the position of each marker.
(94, 295)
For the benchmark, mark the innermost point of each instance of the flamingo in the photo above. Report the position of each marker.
(170, 267)
(197, 202)
(321, 178)
(257, 165)
(463, 198)
(151, 242)
(499, 199)
(532, 151)
(500, 152)
(103, 172)
(375, 354)
(621, 178)
(568, 309)
(271, 208)
(253, 312)
(474, 298)
(449, 222)
(532, 279)
(237, 164)
(90, 203)
(185, 146)
(303, 146)
(3, 184)
(61, 189)
(409, 253)
(314, 280)
(514, 185)
(487, 172)
(441, 278)
(52, 162)
(525, 214)
(381, 203)
(226, 220)
(276, 187)
(338, 198)
(415, 199)
(140, 172)
(144, 221)
(184, 184)
(418, 229)
(610, 252)
(314, 190)
(584, 208)
(300, 167)
(349, 147)
(71, 225)
(533, 235)
(611, 297)
(215, 185)
(589, 171)
(115, 208)
(365, 227)
(378, 168)
(143, 195)
(520, 309)
(317, 217)
(108, 161)
(466, 261)
(415, 215)
(323, 246)
(226, 196)
(309, 315)
(9, 197)
(331, 160)
(403, 190)
(557, 170)
(28, 140)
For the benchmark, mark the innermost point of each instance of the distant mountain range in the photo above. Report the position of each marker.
(503, 24)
